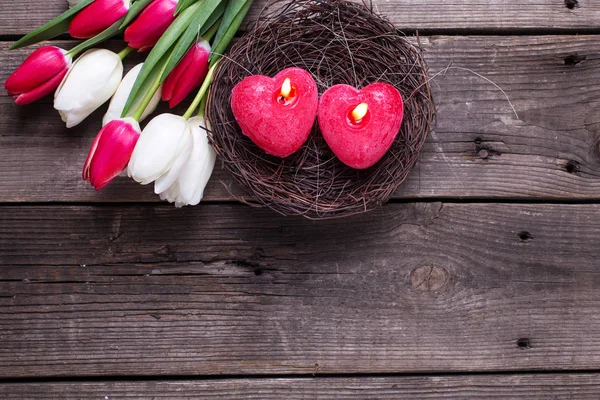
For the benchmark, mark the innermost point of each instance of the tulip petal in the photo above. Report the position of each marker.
(91, 81)
(96, 17)
(86, 166)
(167, 179)
(182, 154)
(149, 26)
(171, 194)
(188, 74)
(171, 81)
(161, 142)
(118, 100)
(40, 67)
(190, 175)
(40, 91)
(111, 151)
(197, 171)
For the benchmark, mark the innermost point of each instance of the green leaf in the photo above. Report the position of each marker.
(234, 15)
(162, 47)
(183, 4)
(51, 29)
(135, 9)
(211, 12)
(145, 86)
(99, 38)
(233, 9)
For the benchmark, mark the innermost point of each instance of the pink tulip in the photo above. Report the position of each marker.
(145, 31)
(188, 74)
(96, 17)
(39, 75)
(111, 151)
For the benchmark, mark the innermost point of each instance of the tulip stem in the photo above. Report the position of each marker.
(149, 94)
(147, 98)
(125, 52)
(202, 106)
(201, 93)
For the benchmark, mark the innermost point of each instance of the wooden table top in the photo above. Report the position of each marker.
(480, 279)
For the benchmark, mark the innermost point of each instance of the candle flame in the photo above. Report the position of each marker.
(360, 111)
(286, 88)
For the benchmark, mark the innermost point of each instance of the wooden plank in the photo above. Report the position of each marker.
(424, 15)
(506, 387)
(227, 289)
(479, 149)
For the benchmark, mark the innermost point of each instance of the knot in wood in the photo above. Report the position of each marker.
(428, 279)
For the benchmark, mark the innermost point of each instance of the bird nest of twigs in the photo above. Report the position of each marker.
(336, 41)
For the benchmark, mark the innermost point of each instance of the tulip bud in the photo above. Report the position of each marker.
(164, 146)
(97, 16)
(117, 103)
(39, 75)
(111, 151)
(188, 189)
(144, 32)
(188, 74)
(91, 81)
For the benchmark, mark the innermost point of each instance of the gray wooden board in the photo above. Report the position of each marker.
(228, 289)
(479, 148)
(505, 387)
(438, 15)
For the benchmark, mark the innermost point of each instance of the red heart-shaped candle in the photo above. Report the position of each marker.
(277, 113)
(360, 125)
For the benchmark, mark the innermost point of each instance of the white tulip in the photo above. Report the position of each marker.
(73, 3)
(117, 103)
(93, 79)
(188, 189)
(161, 151)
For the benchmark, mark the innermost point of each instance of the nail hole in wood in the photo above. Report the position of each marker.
(571, 4)
(483, 154)
(523, 343)
(525, 236)
(572, 167)
(478, 140)
(254, 266)
(485, 151)
(574, 59)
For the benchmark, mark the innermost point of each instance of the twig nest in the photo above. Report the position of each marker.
(337, 42)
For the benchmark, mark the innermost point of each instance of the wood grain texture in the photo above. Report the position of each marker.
(226, 289)
(479, 148)
(425, 15)
(505, 387)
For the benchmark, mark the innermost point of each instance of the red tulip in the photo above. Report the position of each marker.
(145, 31)
(188, 74)
(39, 75)
(96, 17)
(111, 151)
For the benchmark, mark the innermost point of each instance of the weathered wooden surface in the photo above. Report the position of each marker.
(225, 289)
(246, 304)
(433, 15)
(479, 148)
(505, 387)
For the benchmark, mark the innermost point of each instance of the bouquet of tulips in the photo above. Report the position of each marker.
(172, 150)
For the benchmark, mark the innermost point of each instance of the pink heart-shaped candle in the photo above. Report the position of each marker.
(360, 125)
(277, 113)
